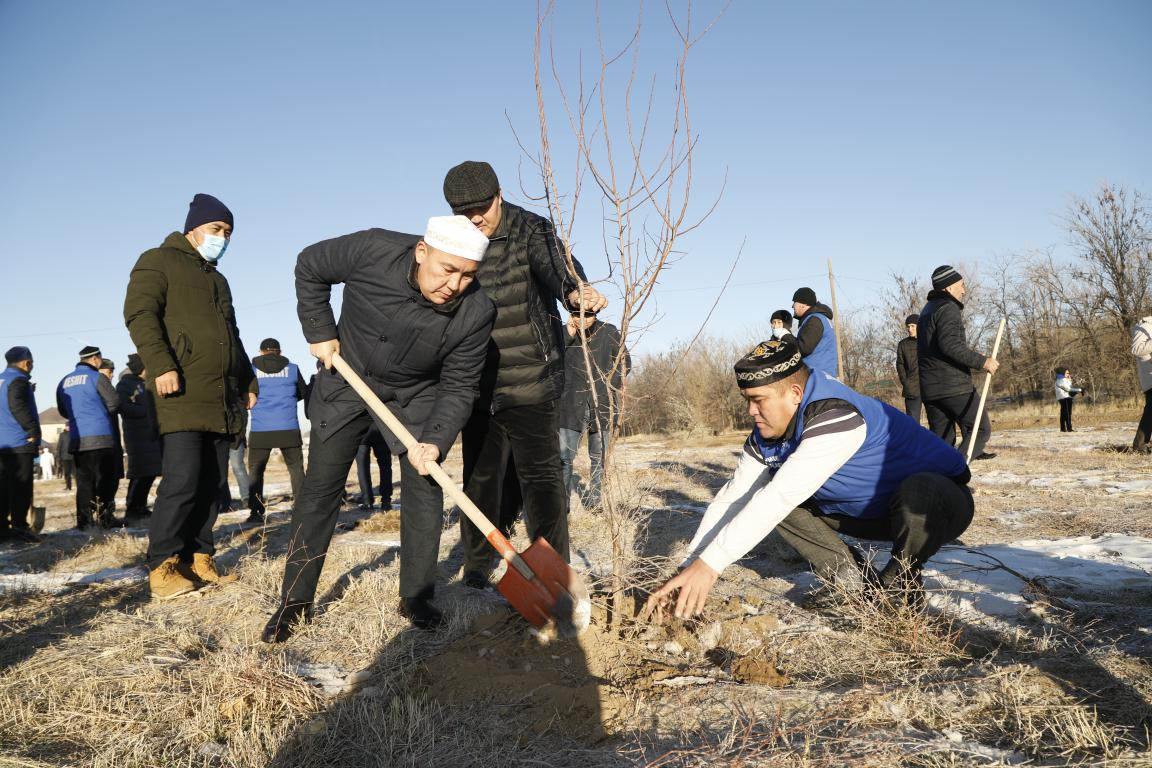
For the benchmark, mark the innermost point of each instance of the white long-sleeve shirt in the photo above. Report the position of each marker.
(754, 501)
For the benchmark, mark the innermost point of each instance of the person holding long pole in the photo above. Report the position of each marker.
(946, 364)
(415, 325)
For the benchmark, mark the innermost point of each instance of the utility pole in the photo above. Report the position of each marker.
(836, 324)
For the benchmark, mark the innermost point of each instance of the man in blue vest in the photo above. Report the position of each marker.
(19, 441)
(816, 335)
(88, 400)
(274, 423)
(824, 460)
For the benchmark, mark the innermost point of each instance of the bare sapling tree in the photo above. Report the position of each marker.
(634, 143)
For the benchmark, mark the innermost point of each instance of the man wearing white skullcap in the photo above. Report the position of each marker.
(415, 325)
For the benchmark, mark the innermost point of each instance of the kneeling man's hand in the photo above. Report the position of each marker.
(694, 583)
(422, 453)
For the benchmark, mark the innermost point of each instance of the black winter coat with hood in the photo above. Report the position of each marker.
(141, 429)
(946, 361)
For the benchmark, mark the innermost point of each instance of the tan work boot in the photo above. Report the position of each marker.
(204, 568)
(165, 580)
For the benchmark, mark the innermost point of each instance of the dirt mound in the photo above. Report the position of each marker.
(564, 688)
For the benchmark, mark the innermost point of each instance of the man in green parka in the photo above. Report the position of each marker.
(179, 313)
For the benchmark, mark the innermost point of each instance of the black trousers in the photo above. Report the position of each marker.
(912, 407)
(526, 437)
(136, 503)
(15, 489)
(314, 518)
(66, 470)
(374, 444)
(927, 511)
(1144, 428)
(97, 475)
(195, 469)
(944, 414)
(1066, 414)
(258, 462)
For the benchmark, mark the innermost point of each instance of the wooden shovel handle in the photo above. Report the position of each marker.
(478, 518)
(984, 392)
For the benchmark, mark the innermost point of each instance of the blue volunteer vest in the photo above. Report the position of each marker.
(896, 447)
(12, 435)
(90, 418)
(823, 358)
(276, 406)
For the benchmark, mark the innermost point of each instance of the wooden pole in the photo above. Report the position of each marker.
(984, 394)
(836, 324)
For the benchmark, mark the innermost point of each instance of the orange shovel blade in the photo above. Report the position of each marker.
(548, 596)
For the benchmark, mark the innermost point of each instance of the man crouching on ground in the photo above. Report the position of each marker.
(415, 325)
(825, 460)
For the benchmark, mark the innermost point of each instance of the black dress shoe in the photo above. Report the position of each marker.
(421, 613)
(985, 456)
(255, 517)
(24, 534)
(284, 622)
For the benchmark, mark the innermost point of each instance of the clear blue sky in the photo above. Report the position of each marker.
(887, 136)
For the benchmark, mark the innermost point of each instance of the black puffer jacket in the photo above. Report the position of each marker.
(946, 360)
(525, 274)
(421, 359)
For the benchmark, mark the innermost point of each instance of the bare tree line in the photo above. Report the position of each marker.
(1075, 312)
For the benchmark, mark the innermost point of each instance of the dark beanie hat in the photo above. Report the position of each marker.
(470, 185)
(784, 316)
(771, 361)
(17, 354)
(944, 276)
(911, 319)
(135, 364)
(89, 351)
(205, 208)
(270, 343)
(805, 296)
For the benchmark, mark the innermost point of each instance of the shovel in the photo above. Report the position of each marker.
(538, 583)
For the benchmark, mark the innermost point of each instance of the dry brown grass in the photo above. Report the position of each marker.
(99, 676)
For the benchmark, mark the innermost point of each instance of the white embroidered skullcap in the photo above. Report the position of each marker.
(456, 235)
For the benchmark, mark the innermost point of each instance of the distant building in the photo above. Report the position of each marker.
(51, 425)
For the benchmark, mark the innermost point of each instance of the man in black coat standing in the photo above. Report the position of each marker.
(592, 408)
(515, 421)
(142, 440)
(908, 368)
(415, 325)
(65, 458)
(946, 363)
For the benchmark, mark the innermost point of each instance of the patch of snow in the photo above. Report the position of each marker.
(56, 583)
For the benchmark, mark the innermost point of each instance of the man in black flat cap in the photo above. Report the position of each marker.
(511, 442)
(179, 312)
(19, 442)
(946, 364)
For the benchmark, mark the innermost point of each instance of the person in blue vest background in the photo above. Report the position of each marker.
(824, 460)
(88, 400)
(815, 335)
(19, 442)
(274, 423)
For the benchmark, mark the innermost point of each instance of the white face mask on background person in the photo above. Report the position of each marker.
(212, 248)
(778, 333)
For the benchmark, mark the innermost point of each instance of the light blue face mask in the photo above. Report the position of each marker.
(213, 247)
